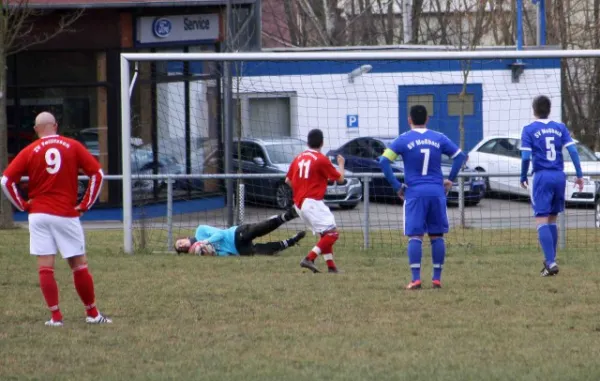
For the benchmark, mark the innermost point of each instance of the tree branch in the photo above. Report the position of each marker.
(21, 41)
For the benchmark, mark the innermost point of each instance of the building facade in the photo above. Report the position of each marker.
(294, 97)
(76, 76)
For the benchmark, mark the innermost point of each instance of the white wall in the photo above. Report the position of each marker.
(170, 103)
(323, 101)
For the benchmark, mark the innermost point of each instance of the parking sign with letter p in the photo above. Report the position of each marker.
(352, 121)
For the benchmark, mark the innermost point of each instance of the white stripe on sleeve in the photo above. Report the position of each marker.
(12, 192)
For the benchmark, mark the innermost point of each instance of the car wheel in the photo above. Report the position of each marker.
(283, 196)
(348, 206)
(597, 214)
(81, 188)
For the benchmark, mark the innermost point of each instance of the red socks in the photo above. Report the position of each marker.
(84, 284)
(314, 253)
(326, 243)
(50, 291)
(325, 247)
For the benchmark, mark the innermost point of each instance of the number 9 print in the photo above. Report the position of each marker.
(53, 161)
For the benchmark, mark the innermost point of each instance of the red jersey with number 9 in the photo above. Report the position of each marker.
(309, 173)
(52, 164)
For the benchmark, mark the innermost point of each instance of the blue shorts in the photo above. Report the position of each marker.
(425, 215)
(548, 193)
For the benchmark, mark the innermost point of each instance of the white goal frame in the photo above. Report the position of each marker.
(126, 83)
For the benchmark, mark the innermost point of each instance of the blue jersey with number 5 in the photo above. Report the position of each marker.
(546, 140)
(421, 150)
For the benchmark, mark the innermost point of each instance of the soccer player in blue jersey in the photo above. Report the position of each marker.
(543, 141)
(424, 190)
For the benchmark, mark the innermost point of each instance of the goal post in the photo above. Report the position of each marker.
(347, 105)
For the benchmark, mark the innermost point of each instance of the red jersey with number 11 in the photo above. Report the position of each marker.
(309, 173)
(52, 164)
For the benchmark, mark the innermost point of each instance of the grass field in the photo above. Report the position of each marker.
(194, 318)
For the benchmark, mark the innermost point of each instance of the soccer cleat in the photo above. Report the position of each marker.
(295, 239)
(305, 263)
(335, 271)
(52, 323)
(289, 214)
(416, 285)
(98, 320)
(549, 271)
(436, 284)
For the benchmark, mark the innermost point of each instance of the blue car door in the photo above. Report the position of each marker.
(355, 153)
(379, 186)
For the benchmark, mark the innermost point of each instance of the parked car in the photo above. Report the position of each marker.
(362, 156)
(275, 156)
(501, 154)
(142, 162)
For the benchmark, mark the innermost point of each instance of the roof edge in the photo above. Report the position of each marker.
(441, 48)
(135, 4)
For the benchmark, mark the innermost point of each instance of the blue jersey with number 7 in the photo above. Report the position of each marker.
(421, 150)
(546, 140)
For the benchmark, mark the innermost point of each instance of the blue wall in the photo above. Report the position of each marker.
(149, 211)
(270, 68)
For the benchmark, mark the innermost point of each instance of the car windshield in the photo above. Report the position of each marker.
(386, 143)
(284, 153)
(585, 154)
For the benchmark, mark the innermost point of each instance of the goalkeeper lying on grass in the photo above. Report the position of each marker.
(237, 240)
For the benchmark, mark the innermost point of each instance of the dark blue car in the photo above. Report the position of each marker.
(362, 156)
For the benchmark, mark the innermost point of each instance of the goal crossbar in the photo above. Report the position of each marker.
(126, 81)
(370, 55)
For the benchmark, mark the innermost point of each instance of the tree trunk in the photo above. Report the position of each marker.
(292, 22)
(6, 209)
(417, 10)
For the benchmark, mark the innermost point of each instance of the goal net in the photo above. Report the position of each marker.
(190, 115)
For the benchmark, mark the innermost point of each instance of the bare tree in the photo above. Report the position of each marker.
(575, 24)
(462, 24)
(17, 33)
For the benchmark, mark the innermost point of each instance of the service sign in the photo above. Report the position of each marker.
(192, 28)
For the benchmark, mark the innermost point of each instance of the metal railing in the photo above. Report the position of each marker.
(366, 178)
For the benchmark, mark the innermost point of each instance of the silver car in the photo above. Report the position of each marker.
(275, 156)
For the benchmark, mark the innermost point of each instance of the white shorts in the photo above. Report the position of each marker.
(316, 215)
(49, 234)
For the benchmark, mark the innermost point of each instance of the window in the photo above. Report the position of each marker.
(352, 148)
(250, 151)
(377, 148)
(585, 154)
(455, 103)
(284, 153)
(75, 109)
(488, 147)
(507, 147)
(422, 99)
(41, 68)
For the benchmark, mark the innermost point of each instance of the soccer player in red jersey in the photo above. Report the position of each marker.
(52, 164)
(308, 176)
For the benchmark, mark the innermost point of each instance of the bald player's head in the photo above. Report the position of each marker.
(45, 124)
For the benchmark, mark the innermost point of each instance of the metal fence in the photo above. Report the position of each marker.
(504, 221)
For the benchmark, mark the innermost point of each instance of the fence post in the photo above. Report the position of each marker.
(169, 213)
(366, 205)
(461, 201)
(241, 202)
(562, 230)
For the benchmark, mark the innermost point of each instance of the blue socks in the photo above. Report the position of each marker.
(415, 252)
(554, 232)
(545, 236)
(438, 254)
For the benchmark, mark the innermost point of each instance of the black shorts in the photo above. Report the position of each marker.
(243, 240)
